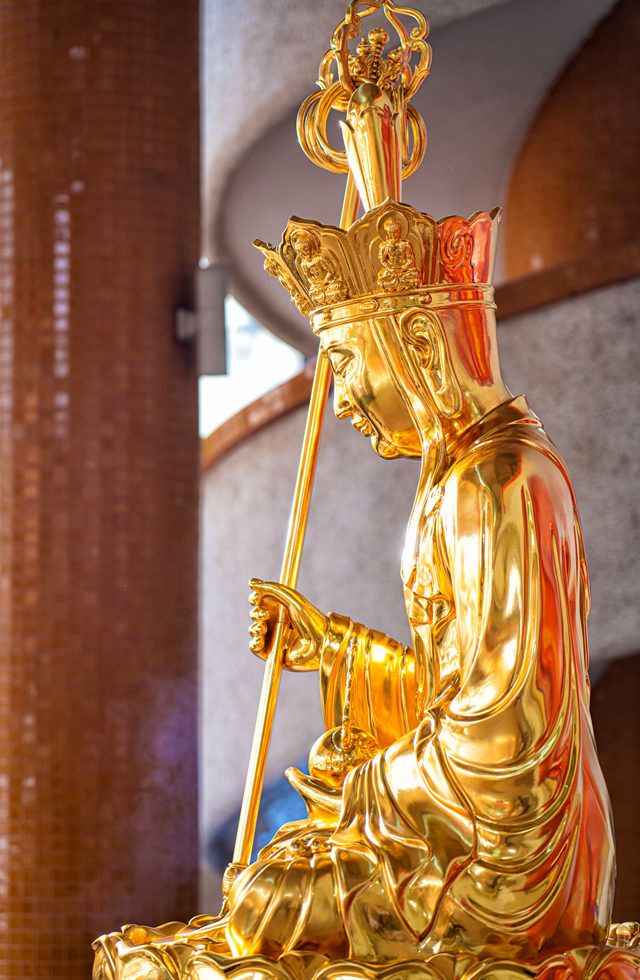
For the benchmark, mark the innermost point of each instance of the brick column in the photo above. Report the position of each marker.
(99, 230)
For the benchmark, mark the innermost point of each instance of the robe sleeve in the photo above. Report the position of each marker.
(383, 690)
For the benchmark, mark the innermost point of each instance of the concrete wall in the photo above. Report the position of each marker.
(577, 362)
(489, 77)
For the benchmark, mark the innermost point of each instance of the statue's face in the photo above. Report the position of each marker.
(367, 391)
(303, 244)
(392, 230)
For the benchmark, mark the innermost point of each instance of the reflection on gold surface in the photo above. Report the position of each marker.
(458, 823)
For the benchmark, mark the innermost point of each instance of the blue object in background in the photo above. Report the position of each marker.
(280, 804)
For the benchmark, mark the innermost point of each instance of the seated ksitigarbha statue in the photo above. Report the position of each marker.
(458, 822)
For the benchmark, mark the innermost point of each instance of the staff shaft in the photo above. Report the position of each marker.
(288, 576)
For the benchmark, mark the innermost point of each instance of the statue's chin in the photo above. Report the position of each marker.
(384, 448)
(380, 445)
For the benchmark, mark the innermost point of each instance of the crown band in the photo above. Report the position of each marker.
(445, 295)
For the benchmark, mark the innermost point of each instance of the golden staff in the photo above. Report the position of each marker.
(335, 93)
(288, 576)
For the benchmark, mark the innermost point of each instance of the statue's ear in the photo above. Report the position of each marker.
(423, 334)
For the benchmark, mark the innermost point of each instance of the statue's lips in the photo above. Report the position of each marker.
(360, 423)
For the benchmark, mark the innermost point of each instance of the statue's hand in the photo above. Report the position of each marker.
(304, 625)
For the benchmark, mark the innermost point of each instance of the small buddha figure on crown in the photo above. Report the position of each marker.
(397, 258)
(298, 298)
(326, 285)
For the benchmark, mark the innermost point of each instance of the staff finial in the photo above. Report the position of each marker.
(385, 136)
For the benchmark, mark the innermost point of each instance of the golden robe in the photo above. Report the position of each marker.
(483, 824)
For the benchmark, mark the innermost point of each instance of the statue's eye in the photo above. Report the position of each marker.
(340, 361)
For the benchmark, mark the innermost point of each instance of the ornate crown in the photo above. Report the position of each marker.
(392, 249)
(393, 256)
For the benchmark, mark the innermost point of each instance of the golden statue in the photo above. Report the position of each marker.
(458, 823)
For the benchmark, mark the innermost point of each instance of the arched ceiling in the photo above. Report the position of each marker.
(493, 62)
(260, 59)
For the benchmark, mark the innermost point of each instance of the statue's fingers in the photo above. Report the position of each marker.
(281, 594)
(257, 644)
(258, 614)
(257, 638)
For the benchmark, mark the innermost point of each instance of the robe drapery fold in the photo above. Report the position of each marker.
(484, 821)
(385, 675)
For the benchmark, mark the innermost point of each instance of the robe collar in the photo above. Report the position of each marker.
(515, 411)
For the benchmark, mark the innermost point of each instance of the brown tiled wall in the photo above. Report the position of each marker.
(573, 191)
(98, 475)
(615, 709)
